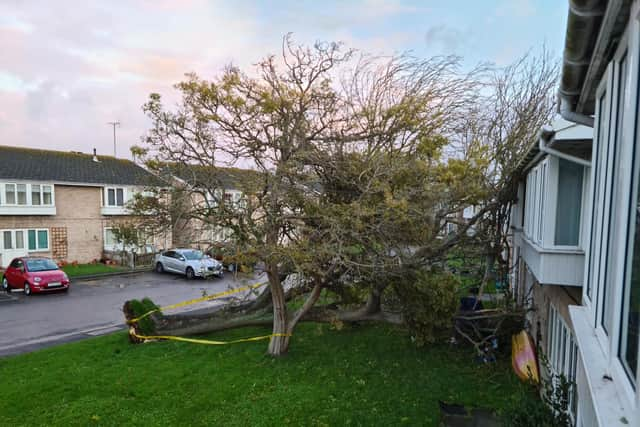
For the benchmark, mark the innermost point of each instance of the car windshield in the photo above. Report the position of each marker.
(193, 255)
(34, 265)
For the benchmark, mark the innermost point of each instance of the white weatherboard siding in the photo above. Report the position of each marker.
(552, 266)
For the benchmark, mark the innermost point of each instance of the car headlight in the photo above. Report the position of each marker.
(37, 279)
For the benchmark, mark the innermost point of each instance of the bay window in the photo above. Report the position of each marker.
(553, 204)
(26, 195)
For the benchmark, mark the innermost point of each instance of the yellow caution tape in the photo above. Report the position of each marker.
(133, 333)
(199, 341)
(197, 300)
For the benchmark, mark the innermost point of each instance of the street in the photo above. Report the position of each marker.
(94, 307)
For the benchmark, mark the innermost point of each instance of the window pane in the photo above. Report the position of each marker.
(111, 197)
(43, 239)
(119, 197)
(595, 193)
(19, 239)
(109, 238)
(569, 203)
(46, 195)
(35, 194)
(613, 195)
(32, 239)
(7, 240)
(10, 194)
(22, 194)
(543, 178)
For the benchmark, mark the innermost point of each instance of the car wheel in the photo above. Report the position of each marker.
(159, 268)
(5, 284)
(27, 289)
(190, 273)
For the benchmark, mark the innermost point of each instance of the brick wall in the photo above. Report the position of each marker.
(78, 213)
(78, 225)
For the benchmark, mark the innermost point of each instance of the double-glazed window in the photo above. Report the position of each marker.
(534, 203)
(15, 194)
(36, 240)
(40, 195)
(630, 328)
(115, 196)
(553, 203)
(562, 354)
(613, 264)
(569, 204)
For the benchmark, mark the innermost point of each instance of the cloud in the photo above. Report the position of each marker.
(447, 39)
(69, 67)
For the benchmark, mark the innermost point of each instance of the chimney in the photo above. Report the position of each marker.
(95, 156)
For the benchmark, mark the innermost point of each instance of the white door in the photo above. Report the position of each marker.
(13, 243)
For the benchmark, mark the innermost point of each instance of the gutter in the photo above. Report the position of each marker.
(568, 114)
(616, 10)
(546, 133)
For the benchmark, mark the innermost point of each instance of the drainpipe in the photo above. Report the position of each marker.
(545, 134)
(568, 114)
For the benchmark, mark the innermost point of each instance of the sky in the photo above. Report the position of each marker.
(67, 68)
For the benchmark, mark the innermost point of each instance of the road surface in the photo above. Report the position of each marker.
(94, 308)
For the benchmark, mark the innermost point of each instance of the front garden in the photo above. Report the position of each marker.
(360, 375)
(75, 270)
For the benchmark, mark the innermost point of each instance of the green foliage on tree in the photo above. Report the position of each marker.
(428, 301)
(358, 165)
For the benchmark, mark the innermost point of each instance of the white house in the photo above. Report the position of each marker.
(599, 89)
(548, 223)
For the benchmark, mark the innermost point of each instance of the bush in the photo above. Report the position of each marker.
(529, 411)
(428, 302)
(137, 308)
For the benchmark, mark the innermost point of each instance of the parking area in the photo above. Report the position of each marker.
(94, 308)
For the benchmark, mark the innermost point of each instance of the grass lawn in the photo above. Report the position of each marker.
(85, 269)
(369, 375)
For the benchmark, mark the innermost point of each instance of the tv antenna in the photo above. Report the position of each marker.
(114, 124)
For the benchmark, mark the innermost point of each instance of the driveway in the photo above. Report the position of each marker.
(94, 308)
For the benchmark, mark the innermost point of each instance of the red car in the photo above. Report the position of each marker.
(34, 274)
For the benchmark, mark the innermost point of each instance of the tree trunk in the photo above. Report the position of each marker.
(279, 344)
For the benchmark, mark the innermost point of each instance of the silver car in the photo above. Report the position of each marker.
(190, 262)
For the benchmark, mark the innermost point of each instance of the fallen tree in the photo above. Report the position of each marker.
(256, 312)
(355, 179)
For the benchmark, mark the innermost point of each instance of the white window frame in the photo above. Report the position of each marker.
(540, 205)
(38, 248)
(29, 195)
(562, 353)
(125, 196)
(613, 222)
(13, 232)
(25, 237)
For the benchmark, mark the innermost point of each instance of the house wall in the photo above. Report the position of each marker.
(606, 323)
(78, 211)
(539, 297)
(78, 225)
